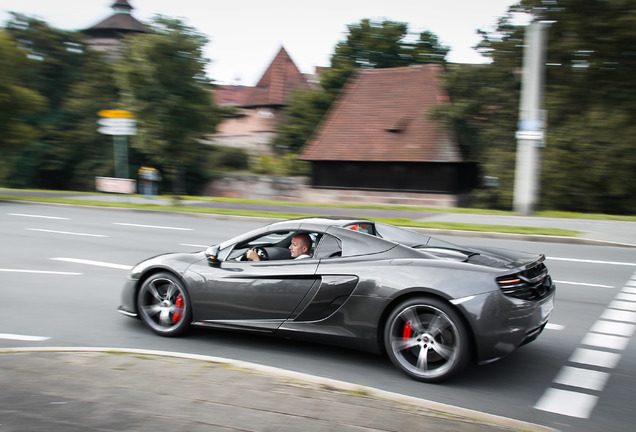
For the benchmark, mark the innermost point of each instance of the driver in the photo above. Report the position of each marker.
(299, 247)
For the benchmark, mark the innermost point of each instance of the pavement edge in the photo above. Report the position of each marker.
(443, 409)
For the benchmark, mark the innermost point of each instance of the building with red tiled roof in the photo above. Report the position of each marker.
(259, 108)
(378, 135)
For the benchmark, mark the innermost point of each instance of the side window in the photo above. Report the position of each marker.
(366, 228)
(329, 247)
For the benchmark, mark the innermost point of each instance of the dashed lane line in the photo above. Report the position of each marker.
(25, 338)
(47, 272)
(153, 226)
(93, 263)
(37, 216)
(619, 263)
(67, 232)
(583, 284)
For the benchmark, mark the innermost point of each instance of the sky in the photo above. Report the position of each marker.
(245, 35)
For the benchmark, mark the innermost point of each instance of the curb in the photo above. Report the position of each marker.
(435, 407)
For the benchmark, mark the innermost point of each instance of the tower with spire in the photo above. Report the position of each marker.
(106, 35)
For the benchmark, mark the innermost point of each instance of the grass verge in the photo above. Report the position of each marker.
(47, 197)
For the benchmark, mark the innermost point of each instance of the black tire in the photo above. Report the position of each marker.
(164, 305)
(427, 339)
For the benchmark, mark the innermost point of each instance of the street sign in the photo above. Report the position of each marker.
(117, 122)
(115, 114)
(530, 135)
(117, 130)
(116, 185)
(117, 126)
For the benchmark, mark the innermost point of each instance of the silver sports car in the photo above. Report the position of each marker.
(431, 306)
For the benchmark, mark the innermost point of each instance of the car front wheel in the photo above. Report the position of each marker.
(164, 305)
(427, 339)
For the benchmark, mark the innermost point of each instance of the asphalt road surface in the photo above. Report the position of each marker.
(62, 269)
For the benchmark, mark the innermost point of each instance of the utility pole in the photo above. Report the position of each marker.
(531, 127)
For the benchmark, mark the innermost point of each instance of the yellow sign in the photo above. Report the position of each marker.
(115, 114)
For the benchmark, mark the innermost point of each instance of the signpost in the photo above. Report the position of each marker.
(531, 127)
(119, 124)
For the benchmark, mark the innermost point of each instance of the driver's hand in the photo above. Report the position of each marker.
(252, 255)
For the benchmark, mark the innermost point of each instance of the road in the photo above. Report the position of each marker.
(62, 269)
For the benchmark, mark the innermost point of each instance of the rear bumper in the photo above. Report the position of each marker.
(502, 324)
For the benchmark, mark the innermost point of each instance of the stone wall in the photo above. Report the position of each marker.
(262, 187)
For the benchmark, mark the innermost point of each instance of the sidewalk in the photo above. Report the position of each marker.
(84, 389)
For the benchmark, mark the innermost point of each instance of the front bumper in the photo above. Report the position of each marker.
(128, 304)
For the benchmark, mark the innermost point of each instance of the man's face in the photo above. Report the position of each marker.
(297, 247)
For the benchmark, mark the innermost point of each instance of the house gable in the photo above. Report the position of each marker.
(259, 107)
(277, 84)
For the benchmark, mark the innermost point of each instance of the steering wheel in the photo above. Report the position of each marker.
(261, 252)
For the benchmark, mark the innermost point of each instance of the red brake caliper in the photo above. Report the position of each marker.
(407, 331)
(178, 314)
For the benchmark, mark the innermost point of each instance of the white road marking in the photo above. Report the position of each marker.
(605, 341)
(23, 337)
(94, 263)
(626, 296)
(153, 226)
(41, 272)
(618, 315)
(67, 232)
(623, 305)
(584, 284)
(582, 378)
(567, 403)
(591, 357)
(611, 332)
(613, 328)
(592, 261)
(551, 326)
(37, 216)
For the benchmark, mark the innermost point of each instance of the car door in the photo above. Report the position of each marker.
(257, 295)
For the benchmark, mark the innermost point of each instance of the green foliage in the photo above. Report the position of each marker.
(368, 45)
(281, 166)
(55, 63)
(224, 159)
(162, 81)
(589, 160)
(17, 101)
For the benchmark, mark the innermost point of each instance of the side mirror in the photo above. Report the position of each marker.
(212, 254)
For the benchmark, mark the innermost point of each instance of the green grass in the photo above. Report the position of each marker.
(175, 206)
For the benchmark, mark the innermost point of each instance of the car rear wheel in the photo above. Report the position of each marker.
(164, 305)
(427, 339)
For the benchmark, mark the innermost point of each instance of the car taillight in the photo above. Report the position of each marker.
(531, 284)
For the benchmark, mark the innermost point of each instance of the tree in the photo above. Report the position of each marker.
(590, 160)
(368, 45)
(162, 81)
(17, 101)
(54, 62)
(590, 97)
(89, 152)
